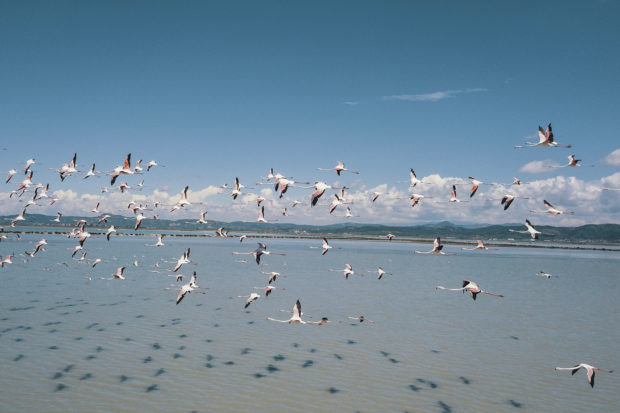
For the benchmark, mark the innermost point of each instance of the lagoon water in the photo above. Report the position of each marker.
(68, 343)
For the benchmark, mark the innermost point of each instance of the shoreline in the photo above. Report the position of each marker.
(332, 236)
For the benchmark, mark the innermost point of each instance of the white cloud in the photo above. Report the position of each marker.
(536, 167)
(432, 97)
(613, 158)
(351, 103)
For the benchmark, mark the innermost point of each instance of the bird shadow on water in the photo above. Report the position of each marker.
(444, 407)
(515, 404)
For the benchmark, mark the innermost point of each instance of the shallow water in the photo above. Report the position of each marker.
(68, 343)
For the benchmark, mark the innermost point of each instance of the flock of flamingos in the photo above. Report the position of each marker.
(35, 194)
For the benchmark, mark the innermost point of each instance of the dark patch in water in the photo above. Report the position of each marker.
(229, 363)
(216, 325)
(53, 347)
(312, 350)
(68, 368)
(271, 368)
(258, 375)
(123, 378)
(384, 353)
(177, 355)
(413, 387)
(51, 323)
(19, 340)
(435, 351)
(514, 337)
(19, 357)
(516, 404)
(88, 327)
(56, 375)
(151, 388)
(245, 350)
(119, 323)
(163, 325)
(295, 345)
(183, 336)
(209, 365)
(279, 357)
(444, 407)
(53, 330)
(101, 329)
(351, 342)
(333, 390)
(140, 316)
(394, 361)
(147, 359)
(86, 376)
(209, 340)
(159, 372)
(90, 357)
(250, 322)
(99, 349)
(22, 308)
(210, 357)
(60, 387)
(428, 383)
(128, 339)
(307, 363)
(338, 356)
(156, 346)
(181, 348)
(465, 380)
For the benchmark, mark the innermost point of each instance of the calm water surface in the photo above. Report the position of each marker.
(68, 343)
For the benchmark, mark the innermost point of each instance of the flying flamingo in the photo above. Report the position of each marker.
(390, 236)
(261, 216)
(413, 179)
(361, 319)
(338, 168)
(545, 138)
(29, 163)
(470, 286)
(530, 230)
(437, 248)
(479, 246)
(236, 189)
(326, 247)
(453, 197)
(109, 232)
(476, 183)
(588, 368)
(19, 217)
(381, 273)
(91, 172)
(320, 190)
(184, 259)
(122, 170)
(296, 317)
(11, 173)
(118, 275)
(552, 210)
(250, 298)
(544, 274)
(348, 270)
(508, 199)
(188, 288)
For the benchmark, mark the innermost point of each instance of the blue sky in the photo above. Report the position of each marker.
(215, 90)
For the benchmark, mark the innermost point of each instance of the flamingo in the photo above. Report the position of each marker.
(545, 138)
(507, 200)
(381, 273)
(10, 175)
(437, 248)
(296, 317)
(415, 199)
(470, 286)
(118, 275)
(544, 274)
(19, 217)
(530, 230)
(476, 183)
(375, 195)
(320, 190)
(183, 201)
(338, 168)
(268, 289)
(104, 218)
(139, 219)
(220, 232)
(261, 216)
(184, 259)
(29, 163)
(109, 232)
(6, 260)
(453, 197)
(413, 179)
(361, 319)
(68, 169)
(348, 270)
(326, 247)
(390, 236)
(588, 368)
(122, 170)
(272, 276)
(97, 261)
(479, 246)
(151, 164)
(91, 172)
(187, 288)
(203, 218)
(552, 210)
(250, 298)
(285, 184)
(236, 189)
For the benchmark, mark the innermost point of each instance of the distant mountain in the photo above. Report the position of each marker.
(591, 233)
